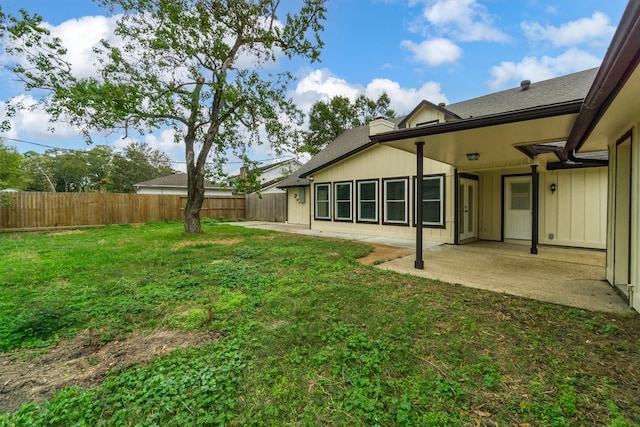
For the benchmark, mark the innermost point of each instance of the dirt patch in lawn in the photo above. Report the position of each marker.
(384, 253)
(84, 361)
(184, 243)
(66, 232)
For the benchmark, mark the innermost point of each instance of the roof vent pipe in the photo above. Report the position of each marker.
(524, 85)
(442, 104)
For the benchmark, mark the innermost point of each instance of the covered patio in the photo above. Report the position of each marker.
(566, 276)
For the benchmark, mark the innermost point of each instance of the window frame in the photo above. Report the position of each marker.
(328, 201)
(359, 218)
(385, 219)
(443, 198)
(336, 201)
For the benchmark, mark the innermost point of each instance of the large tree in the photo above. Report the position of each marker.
(11, 173)
(199, 67)
(328, 119)
(138, 162)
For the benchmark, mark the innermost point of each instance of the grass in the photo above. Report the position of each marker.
(311, 336)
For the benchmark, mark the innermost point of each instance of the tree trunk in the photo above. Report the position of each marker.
(192, 220)
(195, 198)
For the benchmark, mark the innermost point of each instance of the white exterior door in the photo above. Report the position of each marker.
(467, 209)
(517, 208)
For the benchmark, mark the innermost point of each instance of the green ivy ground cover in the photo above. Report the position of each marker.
(310, 336)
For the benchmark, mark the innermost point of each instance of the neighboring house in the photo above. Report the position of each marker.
(480, 188)
(270, 176)
(177, 184)
(273, 174)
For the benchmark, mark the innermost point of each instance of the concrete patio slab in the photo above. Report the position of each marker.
(566, 276)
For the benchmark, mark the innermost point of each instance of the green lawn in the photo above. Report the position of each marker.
(310, 336)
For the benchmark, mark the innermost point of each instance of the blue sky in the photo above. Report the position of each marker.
(440, 50)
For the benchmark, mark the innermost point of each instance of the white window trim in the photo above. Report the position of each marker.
(375, 200)
(350, 200)
(405, 221)
(328, 201)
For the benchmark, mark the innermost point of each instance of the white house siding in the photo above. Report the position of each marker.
(616, 262)
(490, 205)
(576, 214)
(424, 115)
(182, 191)
(298, 211)
(383, 162)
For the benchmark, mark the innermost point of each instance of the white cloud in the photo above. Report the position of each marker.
(596, 29)
(403, 100)
(537, 69)
(32, 123)
(464, 20)
(434, 52)
(322, 84)
(80, 36)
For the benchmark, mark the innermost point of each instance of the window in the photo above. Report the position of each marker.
(433, 200)
(368, 201)
(429, 123)
(395, 201)
(322, 201)
(343, 201)
(521, 196)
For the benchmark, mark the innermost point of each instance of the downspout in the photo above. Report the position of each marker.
(312, 203)
(534, 209)
(456, 207)
(419, 264)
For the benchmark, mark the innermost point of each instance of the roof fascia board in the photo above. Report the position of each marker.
(621, 59)
(447, 114)
(569, 107)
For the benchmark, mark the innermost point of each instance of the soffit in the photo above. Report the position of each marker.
(495, 144)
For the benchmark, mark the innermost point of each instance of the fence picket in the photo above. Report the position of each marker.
(30, 210)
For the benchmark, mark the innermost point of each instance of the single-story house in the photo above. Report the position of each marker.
(272, 175)
(269, 176)
(359, 185)
(553, 162)
(176, 184)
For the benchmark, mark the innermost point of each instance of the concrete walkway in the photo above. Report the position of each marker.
(566, 276)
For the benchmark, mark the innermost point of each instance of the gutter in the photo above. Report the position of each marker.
(621, 59)
(569, 107)
(593, 162)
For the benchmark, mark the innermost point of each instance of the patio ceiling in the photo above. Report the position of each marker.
(494, 138)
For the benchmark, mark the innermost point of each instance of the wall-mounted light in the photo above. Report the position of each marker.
(473, 156)
(310, 178)
(553, 187)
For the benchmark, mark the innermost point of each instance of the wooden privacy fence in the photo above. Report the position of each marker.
(43, 210)
(271, 207)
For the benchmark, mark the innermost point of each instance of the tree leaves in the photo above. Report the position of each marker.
(195, 66)
(327, 120)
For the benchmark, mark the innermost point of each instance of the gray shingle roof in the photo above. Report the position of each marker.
(175, 180)
(558, 90)
(349, 142)
(571, 87)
